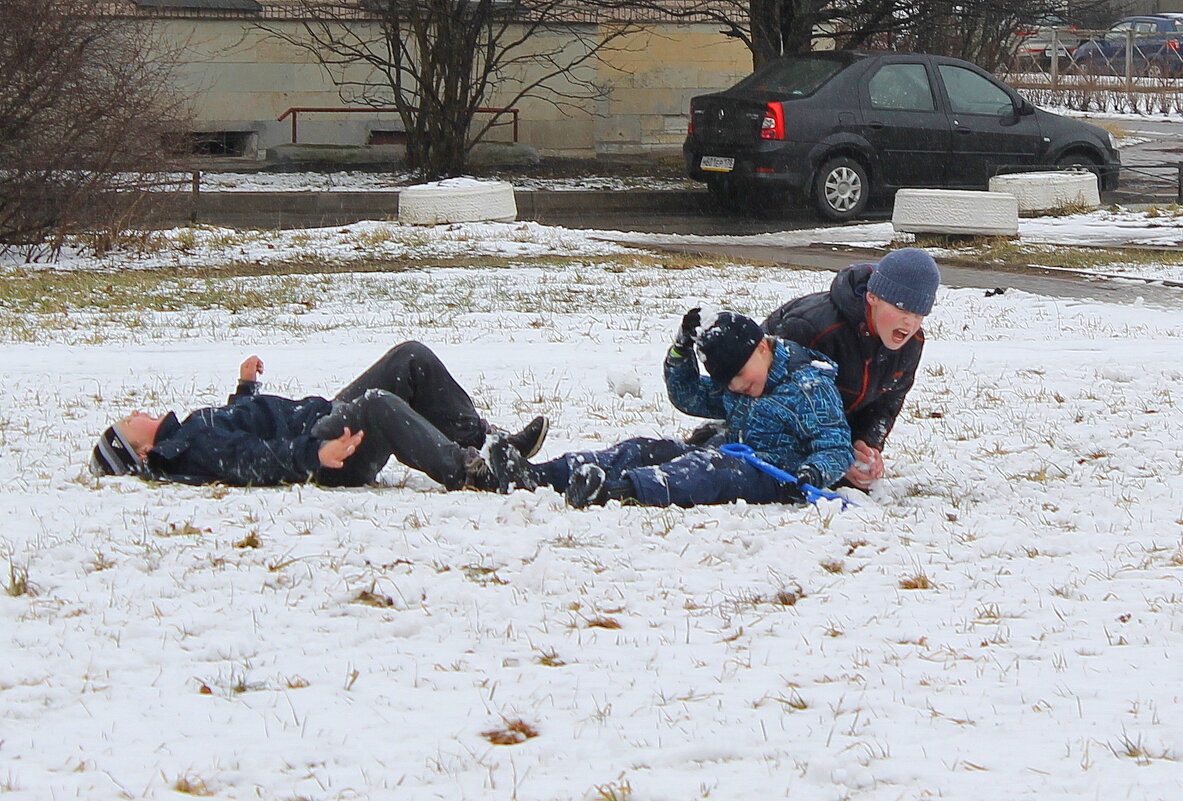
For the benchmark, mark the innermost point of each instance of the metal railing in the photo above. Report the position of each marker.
(295, 111)
(1130, 55)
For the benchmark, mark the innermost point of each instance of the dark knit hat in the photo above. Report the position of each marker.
(726, 343)
(908, 279)
(114, 455)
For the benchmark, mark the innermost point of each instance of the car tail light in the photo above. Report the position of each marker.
(773, 124)
(1172, 44)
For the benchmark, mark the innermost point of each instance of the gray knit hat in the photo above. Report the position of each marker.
(908, 279)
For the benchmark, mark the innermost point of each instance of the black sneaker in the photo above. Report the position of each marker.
(586, 487)
(529, 440)
(509, 468)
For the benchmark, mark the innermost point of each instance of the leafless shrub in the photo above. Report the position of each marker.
(86, 106)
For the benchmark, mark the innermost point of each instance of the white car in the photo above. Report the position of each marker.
(1035, 42)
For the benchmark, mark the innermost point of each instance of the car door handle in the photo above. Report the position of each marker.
(876, 126)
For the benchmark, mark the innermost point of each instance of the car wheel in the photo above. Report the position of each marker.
(1076, 160)
(840, 189)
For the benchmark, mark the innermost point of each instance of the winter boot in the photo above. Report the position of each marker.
(477, 474)
(509, 468)
(529, 440)
(590, 486)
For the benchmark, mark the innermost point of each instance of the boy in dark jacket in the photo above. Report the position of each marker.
(778, 397)
(869, 324)
(406, 405)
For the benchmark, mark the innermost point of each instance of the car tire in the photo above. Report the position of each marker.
(1078, 160)
(841, 189)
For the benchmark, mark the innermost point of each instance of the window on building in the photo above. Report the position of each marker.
(222, 143)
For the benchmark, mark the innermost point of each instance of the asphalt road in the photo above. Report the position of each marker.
(962, 274)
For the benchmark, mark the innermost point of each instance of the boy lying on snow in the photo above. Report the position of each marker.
(776, 396)
(405, 405)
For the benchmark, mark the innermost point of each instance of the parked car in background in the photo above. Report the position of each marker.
(839, 127)
(1154, 42)
(1035, 43)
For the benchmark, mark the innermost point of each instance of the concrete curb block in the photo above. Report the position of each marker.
(449, 202)
(1040, 192)
(951, 211)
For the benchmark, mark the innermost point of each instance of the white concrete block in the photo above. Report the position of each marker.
(457, 200)
(952, 211)
(1040, 192)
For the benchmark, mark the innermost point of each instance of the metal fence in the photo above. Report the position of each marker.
(1070, 55)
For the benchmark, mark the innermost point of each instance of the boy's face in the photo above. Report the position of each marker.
(893, 325)
(750, 380)
(140, 430)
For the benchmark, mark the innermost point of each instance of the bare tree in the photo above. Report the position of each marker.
(437, 62)
(977, 30)
(86, 102)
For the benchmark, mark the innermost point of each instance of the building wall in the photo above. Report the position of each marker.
(242, 79)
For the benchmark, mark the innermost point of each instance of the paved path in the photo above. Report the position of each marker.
(1053, 283)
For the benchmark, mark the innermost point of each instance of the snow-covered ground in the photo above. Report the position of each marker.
(998, 620)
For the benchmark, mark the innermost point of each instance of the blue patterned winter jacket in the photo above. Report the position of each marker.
(797, 421)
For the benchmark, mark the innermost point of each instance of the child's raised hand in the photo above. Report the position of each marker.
(250, 369)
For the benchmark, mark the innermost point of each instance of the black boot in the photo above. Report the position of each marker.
(586, 487)
(510, 469)
(590, 486)
(477, 474)
(529, 440)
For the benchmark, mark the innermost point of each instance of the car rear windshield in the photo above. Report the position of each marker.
(792, 76)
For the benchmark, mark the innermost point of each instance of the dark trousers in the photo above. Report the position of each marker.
(410, 407)
(666, 471)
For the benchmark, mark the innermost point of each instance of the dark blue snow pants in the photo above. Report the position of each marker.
(666, 471)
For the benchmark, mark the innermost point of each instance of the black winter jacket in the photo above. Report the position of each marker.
(872, 379)
(257, 440)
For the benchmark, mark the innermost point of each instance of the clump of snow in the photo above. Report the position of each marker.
(625, 382)
(461, 182)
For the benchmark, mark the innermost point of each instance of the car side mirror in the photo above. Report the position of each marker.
(1024, 108)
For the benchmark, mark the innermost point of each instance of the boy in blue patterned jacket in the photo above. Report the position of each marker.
(777, 397)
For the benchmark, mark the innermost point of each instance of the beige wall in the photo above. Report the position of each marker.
(240, 79)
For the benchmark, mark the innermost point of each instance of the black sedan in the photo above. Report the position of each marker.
(842, 126)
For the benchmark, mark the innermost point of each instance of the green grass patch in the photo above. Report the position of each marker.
(40, 291)
(1003, 253)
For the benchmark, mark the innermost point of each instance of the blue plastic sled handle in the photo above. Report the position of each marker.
(812, 494)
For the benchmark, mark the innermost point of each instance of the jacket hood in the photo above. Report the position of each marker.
(848, 292)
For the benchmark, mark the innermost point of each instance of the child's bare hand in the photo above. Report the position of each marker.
(334, 452)
(250, 369)
(867, 467)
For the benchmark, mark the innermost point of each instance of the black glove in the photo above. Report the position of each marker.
(684, 341)
(706, 432)
(808, 474)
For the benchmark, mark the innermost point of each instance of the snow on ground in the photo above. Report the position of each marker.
(999, 620)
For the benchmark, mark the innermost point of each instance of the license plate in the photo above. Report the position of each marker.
(716, 164)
